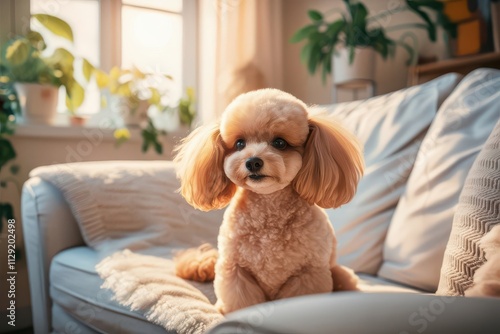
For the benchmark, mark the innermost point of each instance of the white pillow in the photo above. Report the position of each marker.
(391, 128)
(421, 225)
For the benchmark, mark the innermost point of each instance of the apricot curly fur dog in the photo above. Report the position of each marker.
(276, 165)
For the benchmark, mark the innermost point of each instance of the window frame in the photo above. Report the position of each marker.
(15, 20)
(110, 44)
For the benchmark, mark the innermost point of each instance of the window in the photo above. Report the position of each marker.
(153, 35)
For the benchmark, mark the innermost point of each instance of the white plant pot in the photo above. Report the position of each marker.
(363, 66)
(38, 102)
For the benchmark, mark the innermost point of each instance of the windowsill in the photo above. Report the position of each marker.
(95, 126)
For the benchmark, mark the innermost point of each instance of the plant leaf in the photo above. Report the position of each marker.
(158, 147)
(314, 58)
(359, 14)
(17, 53)
(352, 51)
(150, 137)
(303, 33)
(7, 212)
(121, 136)
(155, 97)
(415, 7)
(88, 69)
(55, 25)
(315, 15)
(101, 78)
(36, 39)
(334, 29)
(62, 59)
(74, 96)
(7, 152)
(305, 53)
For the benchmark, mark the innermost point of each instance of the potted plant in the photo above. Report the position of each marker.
(145, 103)
(137, 91)
(38, 76)
(355, 34)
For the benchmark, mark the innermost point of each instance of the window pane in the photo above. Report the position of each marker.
(86, 40)
(170, 5)
(82, 16)
(152, 41)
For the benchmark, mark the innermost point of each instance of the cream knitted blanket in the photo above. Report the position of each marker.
(148, 284)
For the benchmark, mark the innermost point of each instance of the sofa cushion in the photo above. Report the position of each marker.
(75, 288)
(391, 128)
(421, 225)
(373, 284)
(114, 212)
(76, 293)
(477, 212)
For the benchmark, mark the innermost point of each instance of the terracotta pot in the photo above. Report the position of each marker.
(77, 120)
(38, 102)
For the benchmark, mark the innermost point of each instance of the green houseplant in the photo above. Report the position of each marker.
(139, 90)
(24, 60)
(355, 28)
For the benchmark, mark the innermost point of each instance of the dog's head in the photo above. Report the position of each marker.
(266, 141)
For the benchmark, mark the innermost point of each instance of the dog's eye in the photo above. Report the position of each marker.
(240, 144)
(279, 143)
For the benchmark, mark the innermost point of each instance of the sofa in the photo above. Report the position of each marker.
(400, 232)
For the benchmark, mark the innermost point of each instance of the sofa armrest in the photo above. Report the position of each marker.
(354, 312)
(49, 227)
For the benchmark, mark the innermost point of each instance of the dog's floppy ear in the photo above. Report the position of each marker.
(331, 166)
(200, 167)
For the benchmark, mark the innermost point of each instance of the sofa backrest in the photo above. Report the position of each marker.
(421, 225)
(390, 128)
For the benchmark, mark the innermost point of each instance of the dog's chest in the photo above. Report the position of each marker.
(276, 251)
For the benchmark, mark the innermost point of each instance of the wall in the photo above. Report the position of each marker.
(390, 74)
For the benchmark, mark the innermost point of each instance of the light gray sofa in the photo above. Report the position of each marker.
(397, 290)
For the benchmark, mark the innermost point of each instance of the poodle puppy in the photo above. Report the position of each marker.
(275, 164)
(487, 277)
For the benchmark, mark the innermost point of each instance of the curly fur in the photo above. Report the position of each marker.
(275, 240)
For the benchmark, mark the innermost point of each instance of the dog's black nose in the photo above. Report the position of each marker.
(254, 164)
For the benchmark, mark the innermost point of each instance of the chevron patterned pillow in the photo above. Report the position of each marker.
(477, 212)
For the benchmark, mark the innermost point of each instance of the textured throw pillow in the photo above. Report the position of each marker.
(421, 225)
(477, 212)
(487, 277)
(391, 128)
(130, 204)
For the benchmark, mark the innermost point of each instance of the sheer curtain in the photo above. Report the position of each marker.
(240, 50)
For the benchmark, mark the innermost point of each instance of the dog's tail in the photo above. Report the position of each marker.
(197, 264)
(344, 279)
